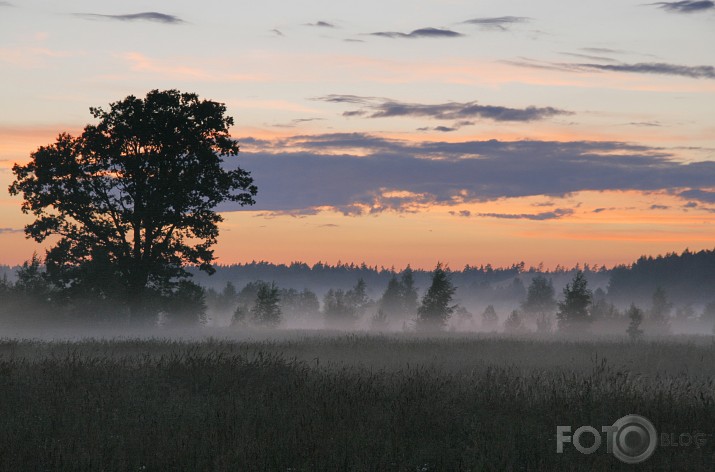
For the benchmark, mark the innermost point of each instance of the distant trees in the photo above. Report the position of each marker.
(132, 199)
(635, 316)
(267, 311)
(342, 309)
(490, 320)
(188, 304)
(540, 302)
(688, 276)
(436, 308)
(659, 313)
(399, 301)
(573, 314)
(514, 324)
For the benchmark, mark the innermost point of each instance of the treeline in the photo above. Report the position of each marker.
(646, 295)
(37, 296)
(689, 278)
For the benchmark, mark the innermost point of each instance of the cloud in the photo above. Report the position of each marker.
(277, 32)
(144, 16)
(384, 108)
(686, 6)
(647, 124)
(359, 173)
(547, 215)
(419, 33)
(321, 24)
(589, 57)
(659, 207)
(501, 23)
(10, 230)
(6, 4)
(603, 50)
(659, 68)
(703, 196)
(462, 213)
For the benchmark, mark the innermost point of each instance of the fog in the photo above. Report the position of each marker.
(263, 300)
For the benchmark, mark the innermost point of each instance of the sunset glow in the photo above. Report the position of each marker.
(535, 137)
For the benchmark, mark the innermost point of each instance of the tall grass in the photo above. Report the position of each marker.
(354, 403)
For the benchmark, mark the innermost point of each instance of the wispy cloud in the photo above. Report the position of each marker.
(6, 4)
(419, 33)
(144, 16)
(589, 57)
(657, 68)
(385, 108)
(501, 23)
(10, 230)
(321, 24)
(547, 215)
(661, 68)
(277, 32)
(360, 173)
(603, 50)
(687, 6)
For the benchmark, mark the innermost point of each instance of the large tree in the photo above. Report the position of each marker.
(133, 198)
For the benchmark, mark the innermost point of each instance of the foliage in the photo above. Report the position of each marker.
(399, 300)
(540, 301)
(267, 311)
(343, 309)
(659, 313)
(435, 308)
(689, 277)
(187, 305)
(372, 403)
(379, 321)
(490, 320)
(514, 323)
(573, 314)
(635, 315)
(132, 198)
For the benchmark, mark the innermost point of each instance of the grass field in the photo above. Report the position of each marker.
(309, 402)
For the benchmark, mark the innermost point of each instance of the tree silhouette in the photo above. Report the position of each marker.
(660, 312)
(573, 311)
(267, 311)
(490, 320)
(435, 309)
(540, 302)
(635, 315)
(339, 312)
(134, 194)
(514, 323)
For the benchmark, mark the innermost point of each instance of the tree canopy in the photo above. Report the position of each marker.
(435, 309)
(132, 199)
(573, 311)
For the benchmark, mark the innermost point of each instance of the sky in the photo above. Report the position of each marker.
(402, 132)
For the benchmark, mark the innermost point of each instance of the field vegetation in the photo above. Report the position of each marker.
(308, 401)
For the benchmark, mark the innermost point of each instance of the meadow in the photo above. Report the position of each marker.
(308, 401)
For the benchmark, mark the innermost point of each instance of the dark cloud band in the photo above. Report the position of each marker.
(385, 108)
(419, 33)
(144, 16)
(328, 170)
(686, 6)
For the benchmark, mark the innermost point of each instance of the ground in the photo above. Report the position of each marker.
(310, 401)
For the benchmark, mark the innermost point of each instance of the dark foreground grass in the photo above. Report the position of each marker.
(352, 403)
